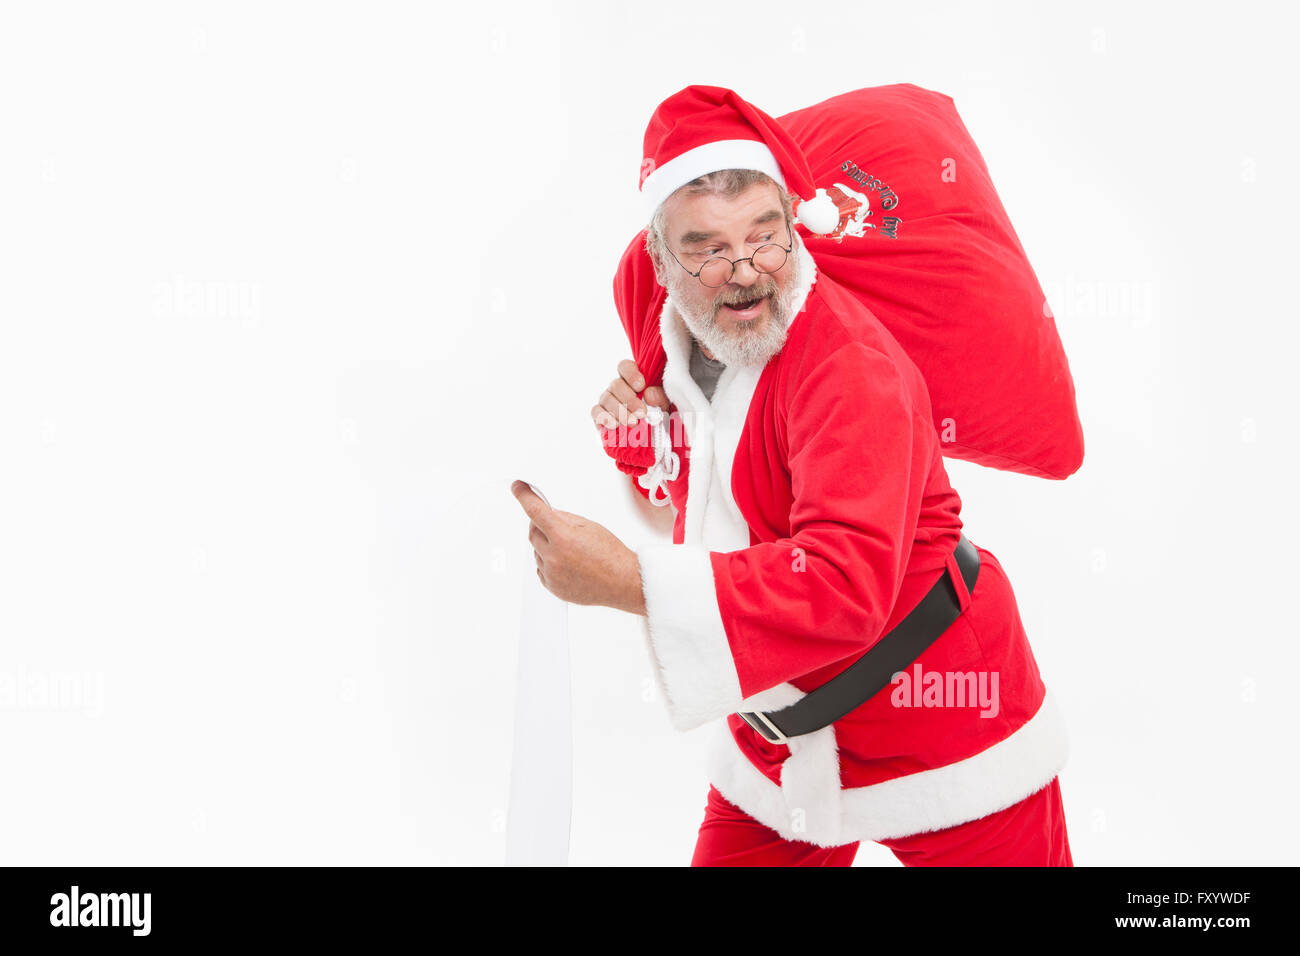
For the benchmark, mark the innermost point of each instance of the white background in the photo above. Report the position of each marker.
(290, 292)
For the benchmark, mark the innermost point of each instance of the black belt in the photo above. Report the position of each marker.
(874, 670)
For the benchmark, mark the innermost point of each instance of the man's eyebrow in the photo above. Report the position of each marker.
(695, 236)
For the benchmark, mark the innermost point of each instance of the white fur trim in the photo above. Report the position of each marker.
(808, 800)
(687, 640)
(725, 529)
(708, 158)
(989, 781)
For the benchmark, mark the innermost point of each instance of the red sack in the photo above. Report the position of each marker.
(924, 243)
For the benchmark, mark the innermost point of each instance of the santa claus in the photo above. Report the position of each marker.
(863, 662)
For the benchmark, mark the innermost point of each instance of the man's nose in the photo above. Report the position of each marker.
(744, 273)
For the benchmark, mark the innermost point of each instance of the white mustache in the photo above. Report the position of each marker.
(736, 300)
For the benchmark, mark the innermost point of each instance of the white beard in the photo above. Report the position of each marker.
(747, 347)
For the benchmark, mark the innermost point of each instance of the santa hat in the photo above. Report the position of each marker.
(702, 129)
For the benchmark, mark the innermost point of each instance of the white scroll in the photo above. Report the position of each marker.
(541, 774)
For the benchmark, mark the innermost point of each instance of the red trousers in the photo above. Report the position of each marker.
(1028, 833)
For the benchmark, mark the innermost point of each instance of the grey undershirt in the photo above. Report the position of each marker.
(705, 371)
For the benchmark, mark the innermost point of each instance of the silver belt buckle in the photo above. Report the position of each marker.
(776, 738)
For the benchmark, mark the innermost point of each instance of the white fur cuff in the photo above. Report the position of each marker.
(687, 641)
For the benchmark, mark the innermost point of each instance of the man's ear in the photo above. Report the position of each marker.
(661, 275)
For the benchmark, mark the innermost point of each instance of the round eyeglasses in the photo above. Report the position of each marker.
(717, 271)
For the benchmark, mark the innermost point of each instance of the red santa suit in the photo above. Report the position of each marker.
(814, 512)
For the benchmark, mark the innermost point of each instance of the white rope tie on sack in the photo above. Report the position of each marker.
(666, 465)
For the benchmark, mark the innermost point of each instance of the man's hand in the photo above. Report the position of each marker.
(619, 404)
(578, 560)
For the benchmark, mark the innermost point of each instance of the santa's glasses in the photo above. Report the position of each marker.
(717, 271)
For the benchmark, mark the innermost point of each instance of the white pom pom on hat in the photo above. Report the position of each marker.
(819, 214)
(701, 129)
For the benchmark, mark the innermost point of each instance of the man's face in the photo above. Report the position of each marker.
(697, 227)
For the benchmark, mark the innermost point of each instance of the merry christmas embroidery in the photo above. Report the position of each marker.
(856, 207)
